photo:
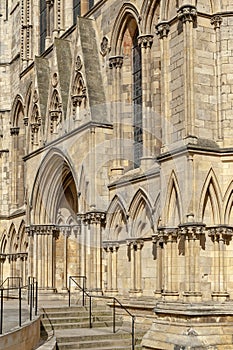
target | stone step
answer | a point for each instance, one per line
(107, 341)
(74, 325)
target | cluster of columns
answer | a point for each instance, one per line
(92, 229)
(111, 250)
(220, 236)
(41, 254)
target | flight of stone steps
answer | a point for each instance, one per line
(69, 326)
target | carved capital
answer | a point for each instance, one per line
(145, 40)
(95, 217)
(115, 62)
(162, 29)
(191, 231)
(55, 115)
(35, 127)
(187, 13)
(167, 234)
(220, 233)
(216, 21)
(14, 130)
(77, 99)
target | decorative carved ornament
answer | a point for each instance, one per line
(104, 46)
(78, 63)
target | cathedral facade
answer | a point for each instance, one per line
(116, 156)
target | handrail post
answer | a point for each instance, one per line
(20, 308)
(28, 289)
(114, 315)
(83, 292)
(30, 302)
(36, 302)
(32, 284)
(1, 318)
(133, 333)
(8, 280)
(90, 323)
(69, 290)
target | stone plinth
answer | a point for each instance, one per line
(191, 326)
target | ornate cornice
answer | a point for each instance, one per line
(187, 13)
(162, 29)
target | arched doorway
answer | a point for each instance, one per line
(54, 228)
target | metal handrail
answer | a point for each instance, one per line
(32, 300)
(115, 300)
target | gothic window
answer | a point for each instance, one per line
(137, 101)
(78, 97)
(76, 10)
(43, 24)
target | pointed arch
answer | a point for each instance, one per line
(157, 210)
(3, 243)
(17, 114)
(13, 240)
(23, 239)
(127, 13)
(211, 199)
(173, 202)
(140, 212)
(151, 13)
(117, 227)
(228, 205)
(54, 185)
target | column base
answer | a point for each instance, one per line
(111, 292)
(170, 296)
(220, 296)
(117, 171)
(192, 296)
(95, 291)
(135, 293)
(157, 294)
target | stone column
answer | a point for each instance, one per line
(145, 42)
(170, 287)
(65, 231)
(187, 14)
(216, 21)
(14, 133)
(162, 30)
(115, 64)
(192, 234)
(158, 256)
(41, 260)
(111, 249)
(135, 266)
(95, 221)
(221, 236)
